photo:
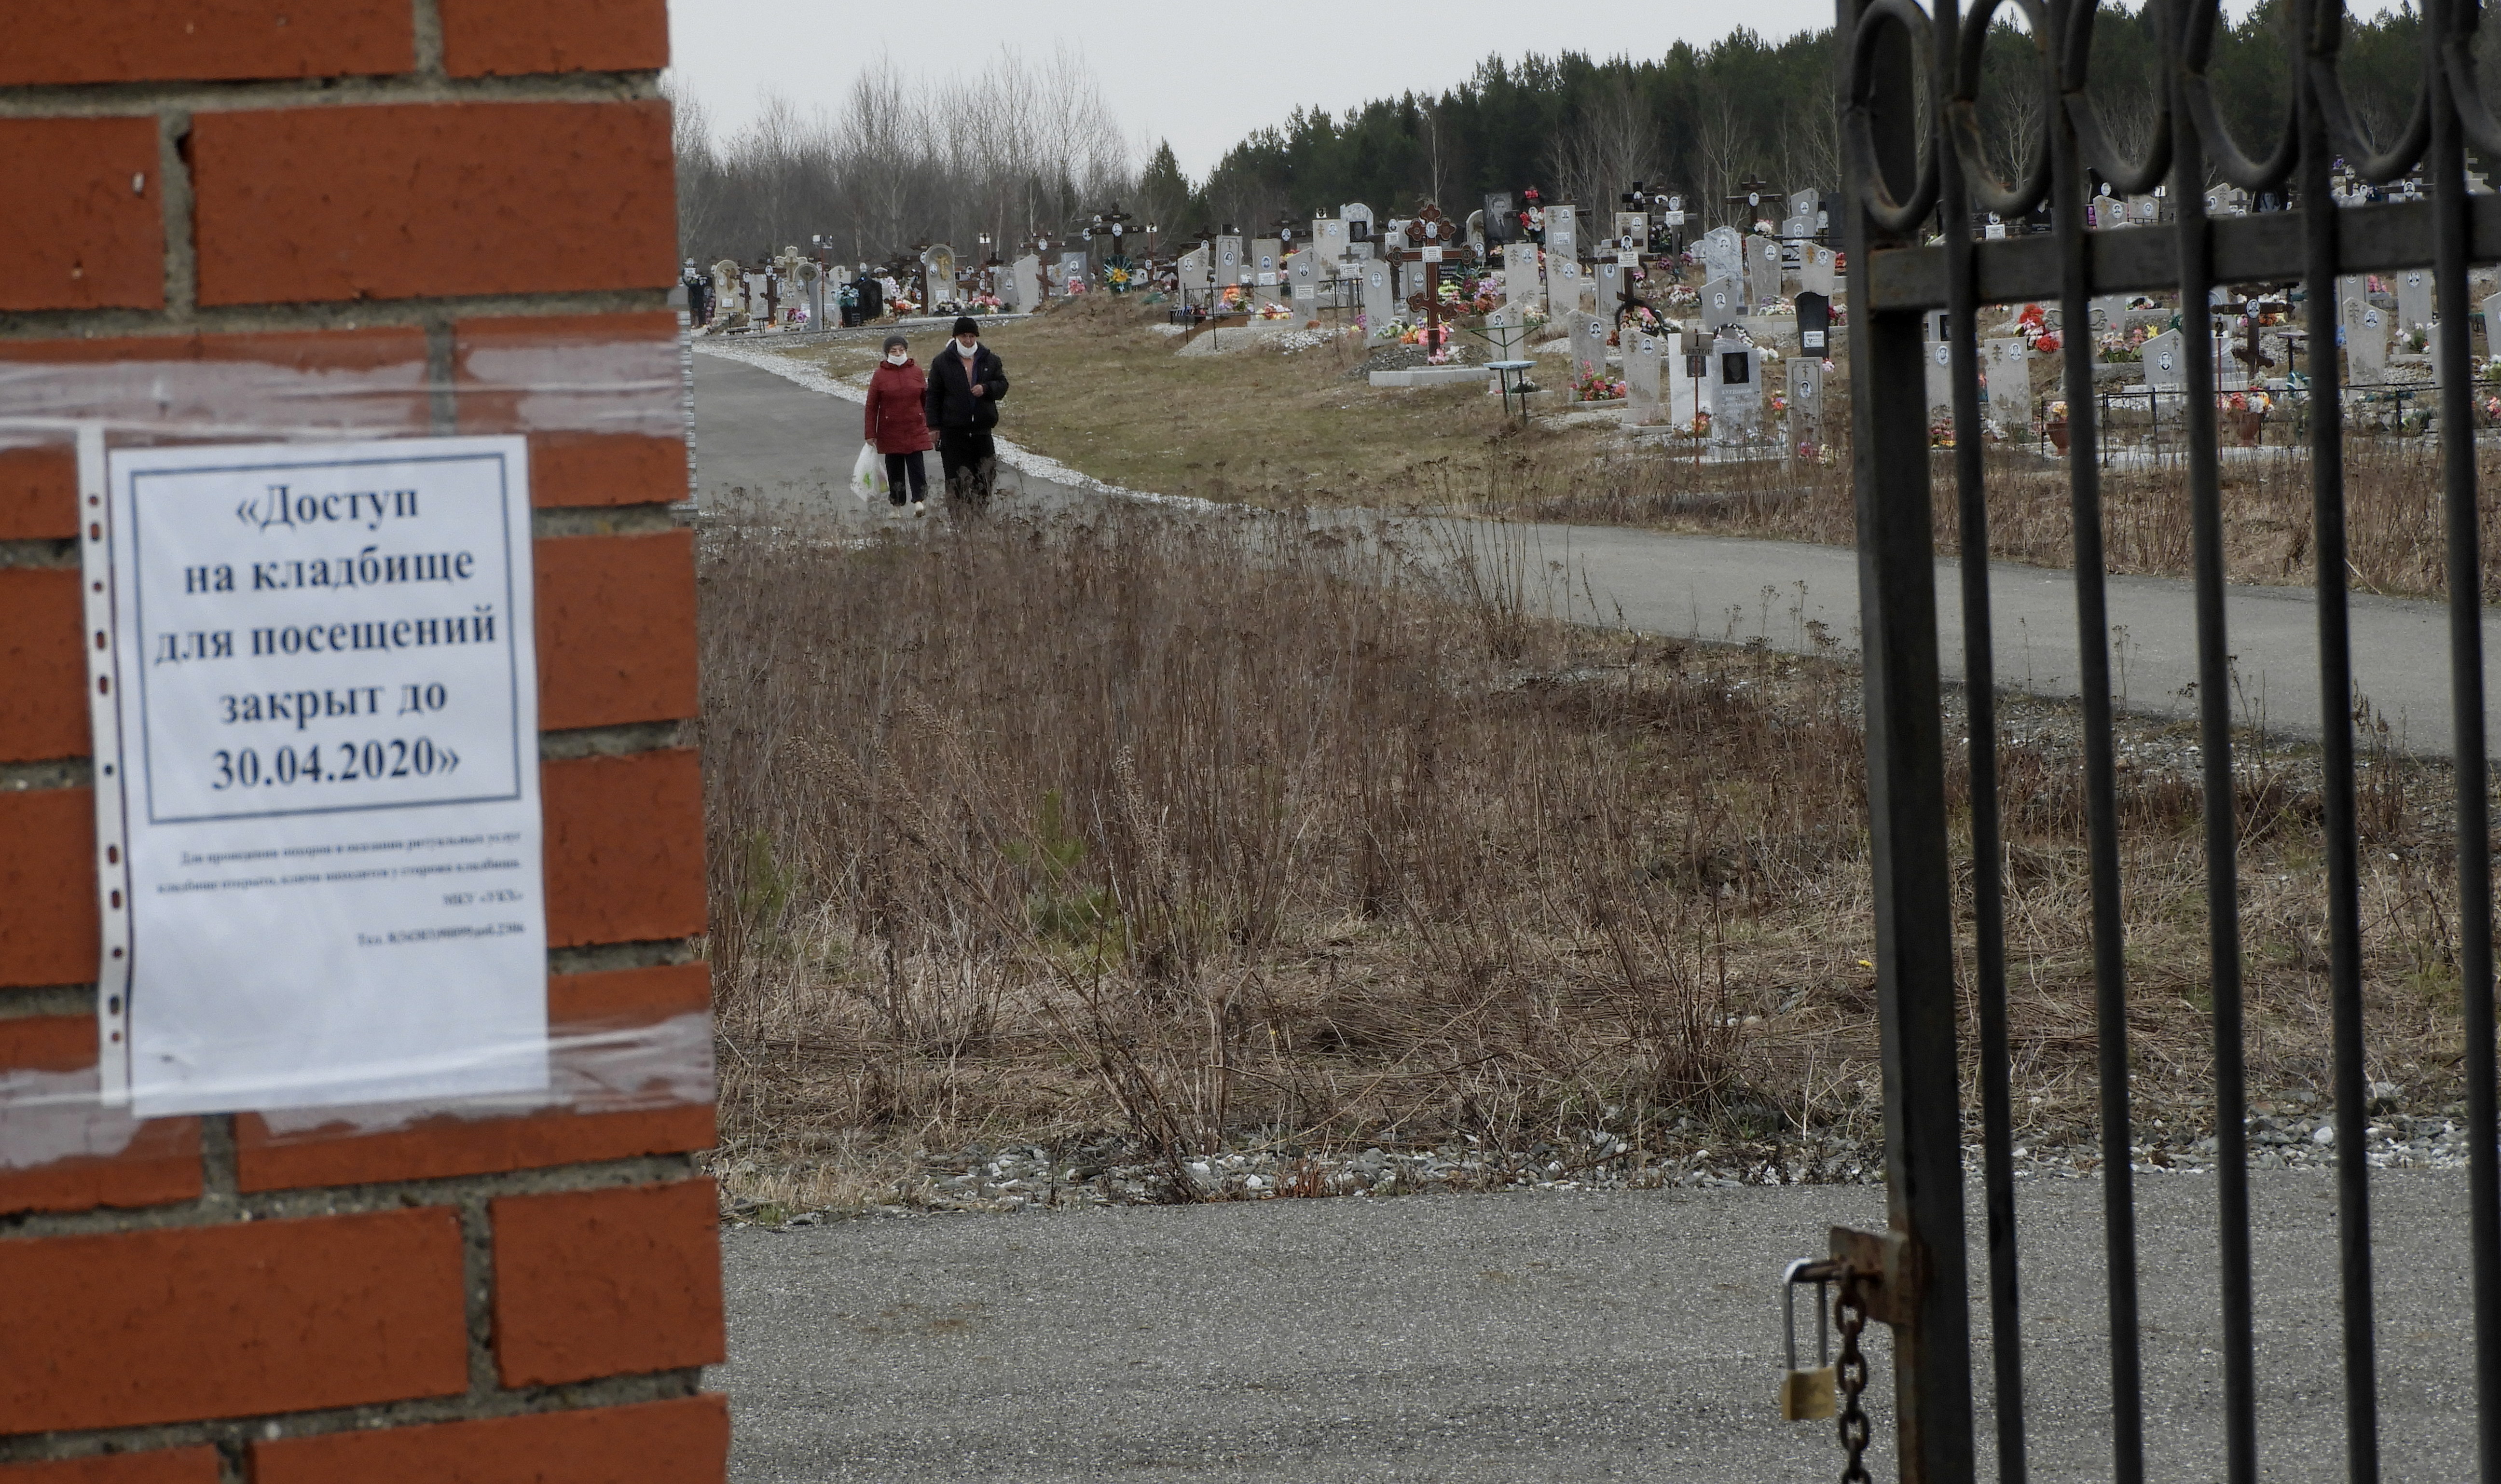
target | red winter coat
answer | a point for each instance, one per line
(896, 422)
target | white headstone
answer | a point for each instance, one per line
(1762, 270)
(1632, 232)
(1606, 290)
(1071, 278)
(1806, 429)
(1380, 297)
(1302, 273)
(2166, 362)
(1267, 268)
(1588, 348)
(2009, 368)
(1939, 376)
(1805, 204)
(1819, 271)
(1564, 285)
(2491, 324)
(1724, 254)
(1736, 392)
(1562, 234)
(2413, 297)
(1724, 304)
(1195, 268)
(1231, 269)
(1522, 283)
(2366, 343)
(1643, 358)
(1024, 282)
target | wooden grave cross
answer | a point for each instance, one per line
(1426, 236)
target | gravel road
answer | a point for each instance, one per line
(1506, 1337)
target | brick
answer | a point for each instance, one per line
(38, 492)
(439, 1148)
(625, 848)
(617, 629)
(613, 370)
(483, 38)
(139, 41)
(99, 1156)
(404, 200)
(75, 236)
(607, 1282)
(47, 913)
(168, 1465)
(231, 1321)
(42, 709)
(680, 1441)
(629, 996)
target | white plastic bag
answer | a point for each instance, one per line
(868, 474)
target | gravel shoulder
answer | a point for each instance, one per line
(1565, 1335)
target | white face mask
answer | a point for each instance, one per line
(968, 346)
(895, 357)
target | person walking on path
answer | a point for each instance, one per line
(966, 381)
(898, 424)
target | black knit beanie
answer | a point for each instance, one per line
(966, 325)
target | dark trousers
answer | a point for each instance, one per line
(900, 467)
(970, 458)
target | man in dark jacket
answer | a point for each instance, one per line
(966, 381)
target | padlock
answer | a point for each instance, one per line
(1807, 1396)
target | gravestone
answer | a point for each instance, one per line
(2491, 324)
(1328, 235)
(1381, 298)
(1724, 254)
(1632, 232)
(938, 268)
(1819, 271)
(1506, 335)
(1024, 282)
(1229, 267)
(2366, 343)
(2008, 365)
(1196, 268)
(1939, 356)
(1736, 393)
(1562, 236)
(1267, 270)
(1607, 286)
(1072, 272)
(1684, 380)
(1762, 270)
(2108, 312)
(1565, 283)
(1588, 348)
(2166, 362)
(1803, 205)
(1522, 283)
(2413, 297)
(1355, 212)
(1798, 228)
(1815, 324)
(1303, 281)
(1724, 304)
(1806, 433)
(1642, 357)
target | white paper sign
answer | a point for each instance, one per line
(324, 657)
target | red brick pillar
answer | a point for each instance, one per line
(387, 217)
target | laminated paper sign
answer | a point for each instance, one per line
(317, 773)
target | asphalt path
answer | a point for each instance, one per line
(793, 447)
(1528, 1337)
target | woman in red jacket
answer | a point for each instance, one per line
(898, 424)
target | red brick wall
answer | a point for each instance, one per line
(215, 1300)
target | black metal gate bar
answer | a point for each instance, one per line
(2454, 24)
(2343, 906)
(1891, 281)
(1914, 897)
(2221, 799)
(1980, 688)
(2070, 192)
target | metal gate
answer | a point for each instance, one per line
(1915, 162)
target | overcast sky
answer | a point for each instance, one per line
(1198, 75)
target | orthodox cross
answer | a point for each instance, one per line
(1426, 236)
(1750, 195)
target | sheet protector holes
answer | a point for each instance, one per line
(102, 685)
(113, 1004)
(102, 638)
(116, 901)
(95, 530)
(116, 953)
(95, 499)
(113, 855)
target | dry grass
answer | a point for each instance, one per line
(1226, 832)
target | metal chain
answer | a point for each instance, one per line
(1851, 1374)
